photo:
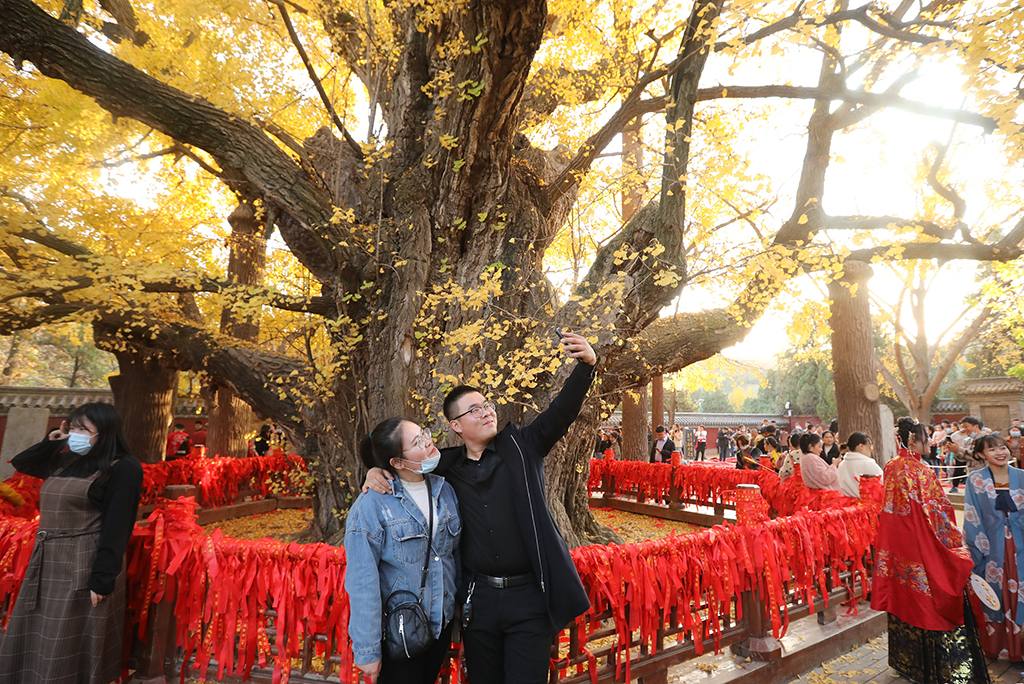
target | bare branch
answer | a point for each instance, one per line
(356, 148)
(938, 250)
(946, 192)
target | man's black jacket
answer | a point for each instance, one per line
(523, 449)
(666, 451)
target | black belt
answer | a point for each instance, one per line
(506, 582)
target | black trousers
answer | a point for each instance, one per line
(508, 641)
(959, 473)
(701, 448)
(420, 670)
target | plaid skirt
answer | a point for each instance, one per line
(54, 635)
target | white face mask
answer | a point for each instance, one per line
(1015, 433)
(427, 465)
(79, 443)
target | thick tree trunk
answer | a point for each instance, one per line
(658, 401)
(853, 354)
(635, 428)
(145, 392)
(232, 419)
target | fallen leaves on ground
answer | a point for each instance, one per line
(633, 527)
(283, 525)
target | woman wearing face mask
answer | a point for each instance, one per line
(68, 622)
(386, 545)
(857, 463)
(921, 571)
(992, 524)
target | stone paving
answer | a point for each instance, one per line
(868, 664)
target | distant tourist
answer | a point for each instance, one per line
(198, 437)
(815, 472)
(261, 445)
(661, 447)
(177, 443)
(857, 463)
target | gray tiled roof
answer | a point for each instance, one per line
(1003, 385)
(62, 400)
(948, 406)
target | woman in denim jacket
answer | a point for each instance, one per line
(386, 543)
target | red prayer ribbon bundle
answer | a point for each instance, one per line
(642, 583)
(705, 482)
(219, 480)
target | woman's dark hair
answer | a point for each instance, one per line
(110, 441)
(907, 427)
(794, 441)
(856, 439)
(771, 442)
(986, 441)
(741, 439)
(265, 431)
(807, 440)
(382, 444)
(828, 432)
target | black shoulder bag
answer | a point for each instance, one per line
(407, 632)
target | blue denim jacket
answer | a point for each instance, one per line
(385, 543)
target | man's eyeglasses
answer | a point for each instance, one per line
(422, 441)
(478, 411)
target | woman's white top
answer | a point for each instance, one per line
(853, 466)
(418, 492)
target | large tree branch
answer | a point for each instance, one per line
(890, 379)
(943, 251)
(28, 33)
(186, 282)
(633, 107)
(268, 382)
(674, 342)
(968, 335)
(863, 97)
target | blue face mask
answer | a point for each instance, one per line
(79, 443)
(427, 465)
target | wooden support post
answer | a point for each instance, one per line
(760, 645)
(675, 494)
(155, 660)
(828, 615)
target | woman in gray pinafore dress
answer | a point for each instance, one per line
(67, 626)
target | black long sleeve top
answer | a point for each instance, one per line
(115, 493)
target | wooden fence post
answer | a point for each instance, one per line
(760, 645)
(155, 660)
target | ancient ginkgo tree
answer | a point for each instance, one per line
(428, 236)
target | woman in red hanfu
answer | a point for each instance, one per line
(921, 570)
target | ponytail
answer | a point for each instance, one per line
(383, 443)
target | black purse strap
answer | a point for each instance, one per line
(430, 534)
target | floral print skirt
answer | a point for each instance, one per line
(930, 657)
(1003, 639)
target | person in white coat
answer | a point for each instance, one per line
(856, 464)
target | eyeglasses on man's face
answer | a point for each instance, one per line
(478, 411)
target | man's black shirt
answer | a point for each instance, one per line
(492, 542)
